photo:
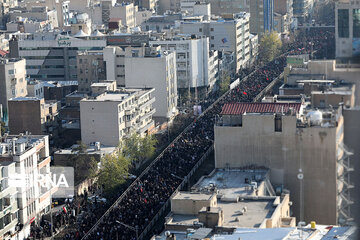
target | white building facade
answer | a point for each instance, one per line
(195, 65)
(111, 116)
(31, 157)
(225, 35)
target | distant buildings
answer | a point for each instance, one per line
(347, 29)
(302, 9)
(110, 116)
(51, 56)
(227, 34)
(20, 208)
(12, 82)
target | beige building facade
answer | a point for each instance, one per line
(306, 156)
(12, 81)
(109, 117)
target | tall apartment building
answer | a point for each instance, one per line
(90, 69)
(51, 56)
(302, 147)
(347, 29)
(285, 9)
(262, 16)
(158, 70)
(30, 153)
(166, 5)
(229, 34)
(12, 82)
(35, 115)
(196, 66)
(109, 117)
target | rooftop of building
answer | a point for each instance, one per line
(91, 149)
(321, 232)
(120, 94)
(242, 108)
(22, 143)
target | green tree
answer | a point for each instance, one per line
(114, 169)
(85, 165)
(137, 148)
(270, 45)
(224, 82)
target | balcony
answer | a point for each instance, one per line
(152, 100)
(150, 113)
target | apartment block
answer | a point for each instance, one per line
(230, 33)
(30, 154)
(196, 65)
(303, 148)
(262, 16)
(109, 117)
(158, 70)
(12, 82)
(347, 29)
(90, 69)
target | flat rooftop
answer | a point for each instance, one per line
(230, 182)
(89, 150)
(194, 196)
(257, 211)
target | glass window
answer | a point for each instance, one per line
(343, 23)
(356, 23)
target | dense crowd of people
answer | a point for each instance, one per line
(149, 194)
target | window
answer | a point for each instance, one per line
(212, 45)
(212, 37)
(278, 123)
(356, 23)
(12, 71)
(212, 29)
(343, 23)
(200, 29)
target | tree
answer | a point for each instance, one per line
(114, 169)
(138, 148)
(270, 45)
(224, 82)
(85, 165)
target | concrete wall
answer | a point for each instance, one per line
(312, 149)
(99, 122)
(191, 206)
(352, 139)
(26, 116)
(158, 73)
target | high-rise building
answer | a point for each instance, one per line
(158, 70)
(12, 82)
(347, 29)
(261, 16)
(30, 154)
(196, 65)
(226, 34)
(4, 10)
(303, 148)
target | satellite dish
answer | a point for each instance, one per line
(300, 176)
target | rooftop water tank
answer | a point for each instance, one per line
(315, 117)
